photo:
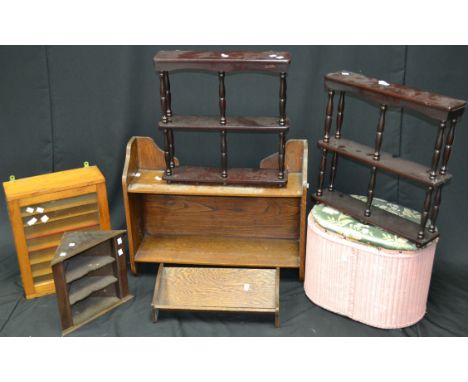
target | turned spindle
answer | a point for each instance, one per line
(282, 102)
(167, 85)
(326, 139)
(224, 159)
(380, 130)
(339, 124)
(328, 116)
(281, 154)
(171, 148)
(222, 99)
(435, 208)
(340, 115)
(370, 191)
(448, 146)
(425, 212)
(162, 94)
(167, 152)
(437, 149)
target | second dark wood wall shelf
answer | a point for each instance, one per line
(444, 109)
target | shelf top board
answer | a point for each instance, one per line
(152, 182)
(253, 124)
(222, 61)
(73, 243)
(52, 182)
(434, 105)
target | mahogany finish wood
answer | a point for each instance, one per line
(276, 62)
(216, 290)
(388, 221)
(90, 275)
(395, 95)
(387, 162)
(237, 176)
(241, 124)
(221, 62)
(241, 226)
(388, 95)
(42, 208)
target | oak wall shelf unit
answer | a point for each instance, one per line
(42, 208)
(443, 109)
(243, 226)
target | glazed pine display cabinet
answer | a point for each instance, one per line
(42, 208)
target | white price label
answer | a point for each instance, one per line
(29, 210)
(44, 219)
(39, 210)
(32, 221)
(120, 252)
(119, 240)
(62, 254)
(71, 244)
(246, 287)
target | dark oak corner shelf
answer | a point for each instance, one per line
(445, 109)
(217, 290)
(222, 63)
(245, 226)
(388, 221)
(90, 276)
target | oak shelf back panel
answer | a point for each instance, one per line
(42, 208)
(214, 225)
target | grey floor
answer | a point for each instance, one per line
(446, 316)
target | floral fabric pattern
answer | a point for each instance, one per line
(345, 225)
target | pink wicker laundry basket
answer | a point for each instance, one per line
(379, 287)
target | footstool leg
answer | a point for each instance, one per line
(154, 314)
(277, 320)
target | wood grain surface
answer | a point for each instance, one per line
(219, 250)
(227, 216)
(226, 289)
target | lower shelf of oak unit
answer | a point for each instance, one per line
(262, 177)
(219, 250)
(92, 308)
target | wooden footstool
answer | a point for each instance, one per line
(217, 290)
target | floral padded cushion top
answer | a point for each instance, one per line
(336, 221)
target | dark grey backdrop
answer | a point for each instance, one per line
(61, 106)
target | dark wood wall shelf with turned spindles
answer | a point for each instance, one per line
(441, 108)
(223, 63)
